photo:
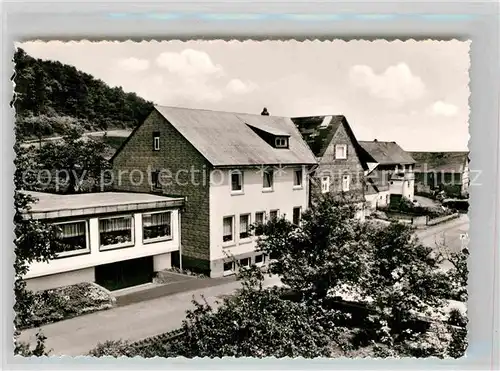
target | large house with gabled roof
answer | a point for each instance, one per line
(233, 170)
(340, 169)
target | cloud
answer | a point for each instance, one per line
(133, 64)
(441, 108)
(189, 63)
(237, 86)
(397, 83)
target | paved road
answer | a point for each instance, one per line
(111, 133)
(137, 321)
(78, 335)
(453, 235)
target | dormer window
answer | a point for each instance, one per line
(281, 142)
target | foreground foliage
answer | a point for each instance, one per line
(353, 289)
(397, 279)
(32, 243)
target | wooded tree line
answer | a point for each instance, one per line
(51, 96)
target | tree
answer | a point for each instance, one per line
(256, 322)
(458, 274)
(32, 243)
(403, 283)
(326, 251)
(76, 163)
(54, 89)
(385, 268)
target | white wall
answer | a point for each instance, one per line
(161, 262)
(379, 199)
(222, 203)
(96, 257)
(404, 186)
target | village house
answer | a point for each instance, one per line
(447, 171)
(389, 174)
(114, 239)
(340, 169)
(233, 169)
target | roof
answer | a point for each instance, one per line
(226, 139)
(386, 153)
(50, 205)
(318, 131)
(452, 162)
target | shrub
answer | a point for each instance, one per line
(113, 348)
(66, 302)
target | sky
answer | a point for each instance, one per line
(412, 92)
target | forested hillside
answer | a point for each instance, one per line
(51, 97)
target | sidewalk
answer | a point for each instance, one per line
(133, 322)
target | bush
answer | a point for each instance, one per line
(66, 302)
(457, 204)
(114, 348)
(405, 206)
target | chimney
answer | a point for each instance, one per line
(264, 112)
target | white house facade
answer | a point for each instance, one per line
(249, 196)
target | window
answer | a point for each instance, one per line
(244, 226)
(116, 232)
(297, 178)
(156, 140)
(273, 214)
(345, 183)
(227, 229)
(296, 215)
(245, 262)
(155, 179)
(325, 184)
(156, 226)
(281, 142)
(341, 151)
(71, 239)
(268, 179)
(260, 259)
(236, 181)
(259, 221)
(228, 267)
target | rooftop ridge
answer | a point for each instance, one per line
(217, 111)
